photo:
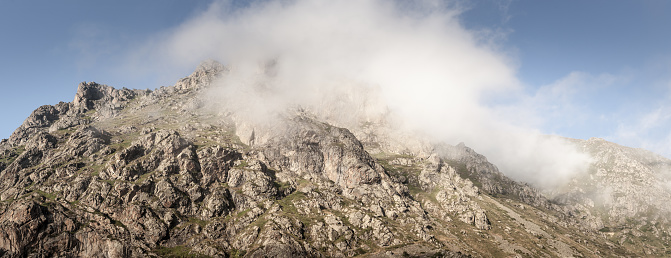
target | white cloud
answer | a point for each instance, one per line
(349, 59)
(567, 102)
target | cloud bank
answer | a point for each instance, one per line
(353, 60)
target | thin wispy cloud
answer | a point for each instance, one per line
(563, 104)
(649, 130)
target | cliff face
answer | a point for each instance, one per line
(627, 189)
(120, 173)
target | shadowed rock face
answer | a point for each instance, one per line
(121, 173)
(21, 224)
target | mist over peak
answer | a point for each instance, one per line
(356, 62)
(318, 128)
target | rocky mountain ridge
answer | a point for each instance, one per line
(121, 173)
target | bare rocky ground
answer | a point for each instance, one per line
(135, 173)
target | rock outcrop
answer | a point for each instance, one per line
(133, 173)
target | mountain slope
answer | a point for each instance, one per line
(121, 172)
(628, 190)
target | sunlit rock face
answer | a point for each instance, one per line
(166, 172)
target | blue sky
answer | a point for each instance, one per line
(49, 47)
(620, 50)
(588, 68)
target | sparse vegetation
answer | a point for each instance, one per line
(282, 185)
(242, 164)
(110, 182)
(143, 177)
(49, 196)
(198, 222)
(119, 224)
(235, 253)
(463, 171)
(287, 203)
(13, 154)
(437, 216)
(179, 251)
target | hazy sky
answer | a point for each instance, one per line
(583, 68)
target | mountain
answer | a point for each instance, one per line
(120, 173)
(628, 191)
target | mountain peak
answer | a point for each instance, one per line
(157, 173)
(206, 72)
(209, 66)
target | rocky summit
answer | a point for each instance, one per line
(160, 173)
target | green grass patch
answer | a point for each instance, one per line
(281, 185)
(7, 201)
(235, 253)
(49, 196)
(14, 153)
(391, 156)
(432, 195)
(414, 190)
(465, 173)
(385, 160)
(394, 170)
(88, 115)
(198, 222)
(119, 224)
(111, 182)
(143, 177)
(606, 229)
(287, 202)
(243, 164)
(64, 131)
(121, 145)
(177, 251)
(94, 169)
(259, 222)
(242, 213)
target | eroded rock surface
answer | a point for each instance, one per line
(134, 173)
